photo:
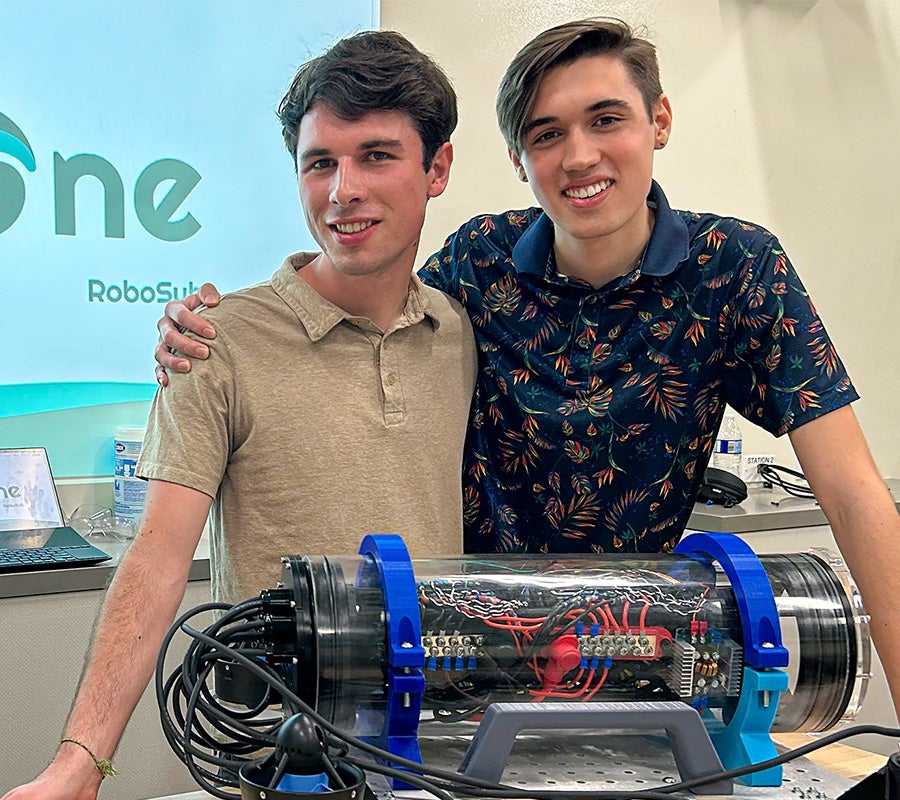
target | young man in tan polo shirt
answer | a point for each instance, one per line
(336, 391)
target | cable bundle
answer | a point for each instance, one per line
(201, 730)
(772, 475)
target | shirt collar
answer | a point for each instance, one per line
(319, 315)
(669, 243)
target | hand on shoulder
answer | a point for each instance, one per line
(173, 345)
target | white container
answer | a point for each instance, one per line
(728, 450)
(129, 490)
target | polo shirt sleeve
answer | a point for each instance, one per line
(781, 368)
(189, 428)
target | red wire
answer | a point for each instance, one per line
(600, 683)
(556, 693)
(644, 611)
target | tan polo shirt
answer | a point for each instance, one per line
(310, 428)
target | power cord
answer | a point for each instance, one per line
(772, 475)
(191, 742)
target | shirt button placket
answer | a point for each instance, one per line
(584, 331)
(391, 389)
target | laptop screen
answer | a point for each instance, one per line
(28, 500)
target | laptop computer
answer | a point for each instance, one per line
(32, 530)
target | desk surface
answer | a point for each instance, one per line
(840, 759)
(767, 509)
(93, 576)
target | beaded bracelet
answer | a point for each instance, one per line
(104, 766)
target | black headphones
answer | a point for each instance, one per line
(720, 487)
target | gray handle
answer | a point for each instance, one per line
(694, 753)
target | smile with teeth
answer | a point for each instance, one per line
(353, 227)
(583, 192)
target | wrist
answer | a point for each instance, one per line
(78, 767)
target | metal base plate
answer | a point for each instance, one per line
(581, 761)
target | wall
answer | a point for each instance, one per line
(50, 634)
(785, 114)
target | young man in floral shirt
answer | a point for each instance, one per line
(613, 330)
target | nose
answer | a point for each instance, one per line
(348, 184)
(581, 152)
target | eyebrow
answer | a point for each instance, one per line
(600, 105)
(374, 144)
(371, 144)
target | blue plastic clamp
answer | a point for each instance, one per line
(752, 592)
(405, 654)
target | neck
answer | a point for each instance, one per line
(379, 297)
(602, 259)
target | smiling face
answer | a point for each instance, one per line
(364, 189)
(588, 155)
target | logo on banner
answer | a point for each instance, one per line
(12, 186)
(155, 215)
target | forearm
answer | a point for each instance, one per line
(837, 462)
(140, 605)
(868, 535)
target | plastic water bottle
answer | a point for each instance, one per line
(727, 453)
(129, 490)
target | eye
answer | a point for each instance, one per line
(545, 136)
(318, 165)
(606, 120)
(378, 155)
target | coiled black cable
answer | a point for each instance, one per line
(773, 475)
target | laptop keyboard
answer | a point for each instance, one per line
(14, 560)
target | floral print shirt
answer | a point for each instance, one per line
(596, 410)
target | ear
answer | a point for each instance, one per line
(517, 165)
(662, 121)
(440, 169)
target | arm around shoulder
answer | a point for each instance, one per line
(836, 460)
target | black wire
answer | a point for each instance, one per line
(455, 782)
(772, 476)
(790, 755)
(203, 777)
(182, 683)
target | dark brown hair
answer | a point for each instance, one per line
(562, 45)
(373, 71)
